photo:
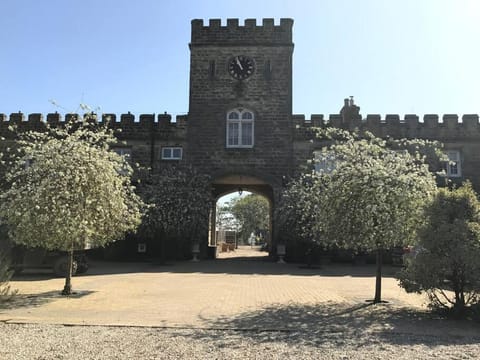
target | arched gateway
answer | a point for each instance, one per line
(227, 184)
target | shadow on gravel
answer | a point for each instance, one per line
(34, 300)
(341, 324)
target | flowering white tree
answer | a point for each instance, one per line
(371, 200)
(374, 198)
(180, 201)
(66, 189)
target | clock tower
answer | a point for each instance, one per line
(240, 106)
(240, 127)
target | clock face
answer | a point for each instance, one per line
(240, 67)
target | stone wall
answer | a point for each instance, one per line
(462, 135)
(145, 137)
(267, 93)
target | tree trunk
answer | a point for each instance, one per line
(67, 289)
(458, 286)
(378, 280)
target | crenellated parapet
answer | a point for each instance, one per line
(160, 125)
(443, 128)
(248, 34)
(433, 127)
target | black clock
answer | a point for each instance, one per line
(241, 67)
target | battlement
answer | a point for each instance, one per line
(249, 34)
(429, 120)
(410, 126)
(147, 123)
(432, 126)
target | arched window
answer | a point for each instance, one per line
(240, 128)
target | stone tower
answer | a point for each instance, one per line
(239, 120)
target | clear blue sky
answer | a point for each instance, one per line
(406, 56)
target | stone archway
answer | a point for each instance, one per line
(227, 184)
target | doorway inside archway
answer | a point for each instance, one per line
(241, 223)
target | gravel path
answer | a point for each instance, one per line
(34, 341)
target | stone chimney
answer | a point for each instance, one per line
(349, 112)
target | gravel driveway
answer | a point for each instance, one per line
(33, 341)
(323, 332)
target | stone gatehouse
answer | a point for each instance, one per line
(240, 128)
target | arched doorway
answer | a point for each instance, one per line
(240, 183)
(242, 226)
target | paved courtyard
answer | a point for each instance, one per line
(224, 293)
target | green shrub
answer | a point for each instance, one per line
(447, 265)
